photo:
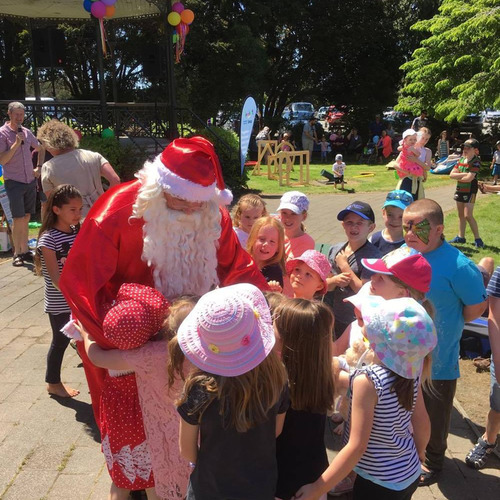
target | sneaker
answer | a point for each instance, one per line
(458, 239)
(28, 256)
(345, 486)
(478, 243)
(478, 456)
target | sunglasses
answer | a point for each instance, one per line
(405, 198)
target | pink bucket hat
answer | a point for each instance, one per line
(135, 316)
(405, 264)
(399, 331)
(316, 261)
(229, 331)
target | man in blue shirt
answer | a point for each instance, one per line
(458, 295)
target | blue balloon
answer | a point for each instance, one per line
(87, 4)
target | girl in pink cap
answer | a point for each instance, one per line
(388, 427)
(234, 405)
(308, 275)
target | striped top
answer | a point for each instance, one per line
(61, 244)
(465, 166)
(494, 284)
(391, 458)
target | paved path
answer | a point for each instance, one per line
(48, 447)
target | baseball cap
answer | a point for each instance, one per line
(399, 331)
(295, 201)
(398, 198)
(317, 262)
(338, 157)
(359, 208)
(406, 264)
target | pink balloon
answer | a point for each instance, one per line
(108, 2)
(98, 10)
(177, 7)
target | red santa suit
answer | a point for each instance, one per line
(109, 246)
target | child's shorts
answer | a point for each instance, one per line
(339, 180)
(465, 197)
(496, 169)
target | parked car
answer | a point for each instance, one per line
(298, 112)
(322, 112)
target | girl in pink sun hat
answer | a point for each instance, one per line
(234, 404)
(388, 426)
(308, 274)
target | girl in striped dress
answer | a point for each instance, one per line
(60, 226)
(388, 427)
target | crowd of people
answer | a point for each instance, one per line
(216, 348)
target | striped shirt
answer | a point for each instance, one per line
(494, 284)
(391, 458)
(61, 244)
(465, 166)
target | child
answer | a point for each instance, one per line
(292, 212)
(136, 315)
(338, 169)
(234, 405)
(324, 149)
(59, 228)
(387, 405)
(465, 173)
(266, 245)
(391, 237)
(249, 208)
(443, 146)
(495, 164)
(358, 221)
(308, 275)
(423, 137)
(300, 448)
(409, 168)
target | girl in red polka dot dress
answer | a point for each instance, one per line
(137, 314)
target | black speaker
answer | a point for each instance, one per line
(153, 60)
(49, 48)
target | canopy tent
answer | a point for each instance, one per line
(73, 9)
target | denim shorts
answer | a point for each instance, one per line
(22, 197)
(494, 389)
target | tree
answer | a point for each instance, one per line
(455, 71)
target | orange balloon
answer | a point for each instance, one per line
(187, 16)
(110, 11)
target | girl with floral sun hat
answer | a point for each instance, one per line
(388, 427)
(234, 405)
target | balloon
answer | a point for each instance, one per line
(177, 7)
(110, 10)
(98, 10)
(78, 134)
(175, 38)
(173, 19)
(187, 16)
(109, 3)
(107, 133)
(87, 4)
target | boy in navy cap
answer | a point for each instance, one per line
(358, 221)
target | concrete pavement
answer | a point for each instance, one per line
(49, 447)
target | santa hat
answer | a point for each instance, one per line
(190, 169)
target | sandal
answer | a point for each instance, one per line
(428, 477)
(18, 261)
(478, 456)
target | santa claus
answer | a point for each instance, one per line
(167, 229)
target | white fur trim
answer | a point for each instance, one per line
(225, 197)
(183, 188)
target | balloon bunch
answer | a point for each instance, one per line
(180, 18)
(101, 9)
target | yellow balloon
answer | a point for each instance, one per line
(174, 18)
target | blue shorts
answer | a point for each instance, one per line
(494, 389)
(496, 169)
(22, 197)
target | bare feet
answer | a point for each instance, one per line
(61, 390)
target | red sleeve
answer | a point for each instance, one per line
(235, 264)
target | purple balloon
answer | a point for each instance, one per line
(108, 2)
(177, 7)
(98, 9)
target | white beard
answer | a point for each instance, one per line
(181, 248)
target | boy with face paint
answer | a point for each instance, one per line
(458, 295)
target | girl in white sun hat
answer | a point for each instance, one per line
(234, 405)
(387, 427)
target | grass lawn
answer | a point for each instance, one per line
(486, 214)
(382, 180)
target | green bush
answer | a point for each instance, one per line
(229, 157)
(125, 159)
